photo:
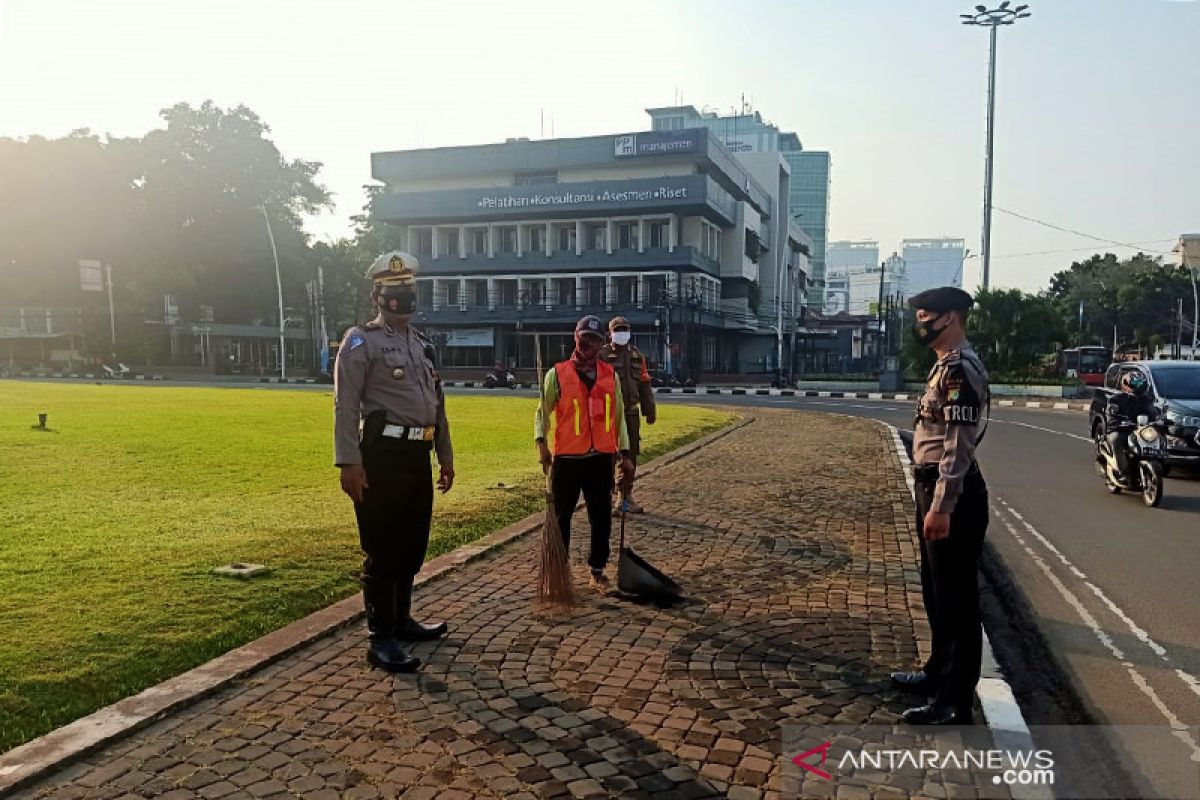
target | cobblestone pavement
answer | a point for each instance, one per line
(794, 544)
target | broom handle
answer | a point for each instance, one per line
(541, 382)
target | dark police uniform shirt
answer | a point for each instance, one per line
(950, 419)
(380, 368)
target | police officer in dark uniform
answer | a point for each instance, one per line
(952, 509)
(389, 414)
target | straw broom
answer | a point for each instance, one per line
(554, 573)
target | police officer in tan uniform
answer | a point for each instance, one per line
(952, 509)
(389, 413)
(632, 371)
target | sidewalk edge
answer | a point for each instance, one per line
(55, 750)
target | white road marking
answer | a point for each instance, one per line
(1139, 680)
(1140, 633)
(1043, 430)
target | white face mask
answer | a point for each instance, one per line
(620, 338)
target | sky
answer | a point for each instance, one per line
(1098, 119)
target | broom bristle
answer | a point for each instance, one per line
(554, 575)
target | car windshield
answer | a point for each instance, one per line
(1178, 383)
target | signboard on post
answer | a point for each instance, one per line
(91, 275)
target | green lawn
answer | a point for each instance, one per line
(111, 521)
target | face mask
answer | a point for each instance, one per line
(925, 333)
(401, 301)
(620, 338)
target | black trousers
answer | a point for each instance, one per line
(397, 507)
(593, 475)
(950, 589)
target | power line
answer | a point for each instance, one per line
(1071, 231)
(1136, 245)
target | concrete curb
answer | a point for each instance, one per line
(1000, 709)
(36, 759)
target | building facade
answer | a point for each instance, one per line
(667, 228)
(930, 263)
(808, 195)
(841, 259)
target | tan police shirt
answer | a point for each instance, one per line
(951, 416)
(630, 366)
(380, 368)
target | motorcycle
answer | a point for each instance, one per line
(500, 378)
(1147, 452)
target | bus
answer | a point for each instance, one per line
(1088, 363)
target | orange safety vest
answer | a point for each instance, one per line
(585, 421)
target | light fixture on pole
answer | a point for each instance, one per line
(992, 18)
(279, 290)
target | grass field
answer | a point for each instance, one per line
(111, 521)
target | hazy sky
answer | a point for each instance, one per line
(1098, 114)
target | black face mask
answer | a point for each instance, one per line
(925, 333)
(399, 300)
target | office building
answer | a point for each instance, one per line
(747, 132)
(930, 263)
(667, 228)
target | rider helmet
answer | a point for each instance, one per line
(1137, 382)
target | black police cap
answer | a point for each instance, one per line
(942, 299)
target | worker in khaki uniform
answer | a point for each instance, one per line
(952, 509)
(582, 409)
(631, 368)
(389, 413)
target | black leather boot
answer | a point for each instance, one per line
(407, 628)
(918, 682)
(383, 650)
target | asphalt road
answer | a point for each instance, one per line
(1112, 587)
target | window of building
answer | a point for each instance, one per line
(710, 240)
(536, 178)
(478, 241)
(508, 240)
(659, 233)
(479, 293)
(566, 291)
(508, 292)
(627, 235)
(468, 356)
(424, 241)
(594, 289)
(566, 238)
(537, 240)
(655, 287)
(597, 236)
(451, 293)
(425, 294)
(626, 289)
(449, 248)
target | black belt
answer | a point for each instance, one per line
(930, 473)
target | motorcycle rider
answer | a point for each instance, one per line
(1134, 400)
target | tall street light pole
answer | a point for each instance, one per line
(991, 18)
(279, 290)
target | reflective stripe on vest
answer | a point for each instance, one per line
(582, 423)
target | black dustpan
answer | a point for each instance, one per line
(636, 575)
